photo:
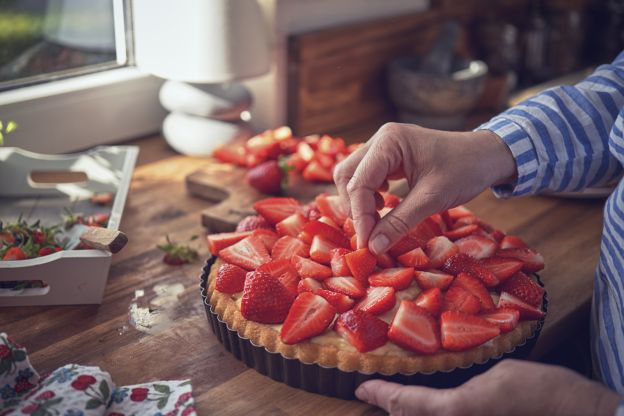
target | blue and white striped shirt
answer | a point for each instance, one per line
(565, 139)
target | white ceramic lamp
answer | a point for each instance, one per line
(201, 47)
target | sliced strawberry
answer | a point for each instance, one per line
(310, 315)
(498, 236)
(524, 288)
(459, 212)
(459, 299)
(234, 154)
(377, 300)
(399, 278)
(385, 261)
(362, 330)
(217, 242)
(331, 146)
(511, 241)
(338, 263)
(464, 263)
(284, 271)
(348, 227)
(527, 311)
(533, 261)
(252, 222)
(460, 331)
(404, 245)
(390, 200)
(476, 287)
(288, 246)
(326, 231)
(442, 226)
(467, 220)
(425, 230)
(415, 258)
(349, 286)
(310, 268)
(265, 299)
(328, 221)
(308, 285)
(230, 278)
(433, 278)
(477, 246)
(506, 318)
(316, 172)
(353, 242)
(311, 212)
(439, 249)
(361, 263)
(320, 250)
(339, 301)
(331, 206)
(268, 237)
(249, 253)
(503, 268)
(291, 225)
(305, 152)
(415, 329)
(276, 209)
(461, 232)
(431, 300)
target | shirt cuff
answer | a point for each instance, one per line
(523, 152)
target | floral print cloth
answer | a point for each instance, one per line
(75, 390)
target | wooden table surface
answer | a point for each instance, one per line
(152, 325)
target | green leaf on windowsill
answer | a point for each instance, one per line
(1, 139)
(11, 127)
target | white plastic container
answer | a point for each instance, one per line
(72, 276)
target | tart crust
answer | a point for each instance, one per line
(327, 355)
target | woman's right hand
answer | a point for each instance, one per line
(443, 169)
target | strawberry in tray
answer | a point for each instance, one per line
(453, 284)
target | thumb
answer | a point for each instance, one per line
(398, 399)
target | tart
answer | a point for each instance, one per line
(453, 293)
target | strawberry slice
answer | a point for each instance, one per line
(390, 200)
(265, 299)
(404, 245)
(475, 287)
(310, 268)
(305, 152)
(310, 315)
(498, 236)
(442, 226)
(249, 253)
(377, 300)
(316, 172)
(425, 230)
(348, 227)
(524, 288)
(217, 242)
(464, 263)
(511, 241)
(268, 237)
(503, 268)
(385, 261)
(288, 246)
(433, 278)
(459, 212)
(284, 271)
(461, 232)
(339, 301)
(234, 154)
(329, 233)
(467, 220)
(276, 209)
(398, 277)
(460, 331)
(477, 246)
(291, 225)
(415, 258)
(459, 299)
(338, 263)
(361, 263)
(331, 206)
(527, 311)
(353, 242)
(533, 261)
(308, 285)
(349, 286)
(439, 249)
(506, 318)
(329, 221)
(320, 250)
(362, 330)
(415, 329)
(430, 300)
(230, 278)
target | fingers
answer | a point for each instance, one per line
(343, 173)
(397, 399)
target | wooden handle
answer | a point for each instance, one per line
(104, 239)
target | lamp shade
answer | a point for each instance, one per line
(201, 41)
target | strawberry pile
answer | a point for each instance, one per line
(452, 283)
(21, 241)
(314, 157)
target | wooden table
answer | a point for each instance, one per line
(151, 324)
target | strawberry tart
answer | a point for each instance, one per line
(453, 293)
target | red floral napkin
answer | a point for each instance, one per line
(75, 390)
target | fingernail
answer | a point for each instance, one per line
(360, 393)
(379, 243)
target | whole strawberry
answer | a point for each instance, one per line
(268, 177)
(265, 299)
(252, 222)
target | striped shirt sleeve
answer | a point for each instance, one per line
(560, 137)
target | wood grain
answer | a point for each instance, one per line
(152, 325)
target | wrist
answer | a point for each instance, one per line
(498, 164)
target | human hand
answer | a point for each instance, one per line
(511, 387)
(443, 169)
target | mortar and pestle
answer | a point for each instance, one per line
(437, 90)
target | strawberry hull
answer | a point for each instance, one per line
(331, 381)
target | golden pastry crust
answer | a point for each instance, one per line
(328, 355)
